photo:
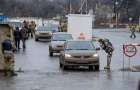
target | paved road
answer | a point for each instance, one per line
(42, 72)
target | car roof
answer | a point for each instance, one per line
(61, 33)
(42, 27)
(79, 41)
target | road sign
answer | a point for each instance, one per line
(2, 18)
(130, 50)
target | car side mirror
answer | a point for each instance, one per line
(98, 49)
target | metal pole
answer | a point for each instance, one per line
(123, 56)
(116, 7)
(129, 64)
(81, 9)
(86, 7)
(116, 20)
(70, 6)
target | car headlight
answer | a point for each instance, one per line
(67, 55)
(37, 33)
(50, 33)
(95, 55)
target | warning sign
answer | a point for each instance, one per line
(130, 50)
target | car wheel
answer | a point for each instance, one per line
(60, 64)
(97, 67)
(51, 53)
(60, 59)
(36, 39)
(90, 67)
(64, 67)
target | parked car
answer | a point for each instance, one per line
(79, 53)
(57, 42)
(43, 32)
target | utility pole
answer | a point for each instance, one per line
(116, 3)
(86, 6)
(70, 7)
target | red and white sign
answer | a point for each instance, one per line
(129, 50)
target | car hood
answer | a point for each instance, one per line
(55, 43)
(80, 52)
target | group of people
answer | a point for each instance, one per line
(20, 35)
(30, 26)
(23, 34)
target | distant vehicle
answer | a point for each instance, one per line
(79, 53)
(15, 24)
(57, 42)
(43, 32)
(54, 27)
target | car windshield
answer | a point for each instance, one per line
(15, 24)
(44, 29)
(79, 45)
(61, 37)
(54, 27)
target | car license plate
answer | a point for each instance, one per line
(44, 34)
(81, 61)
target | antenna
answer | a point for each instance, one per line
(83, 6)
(84, 3)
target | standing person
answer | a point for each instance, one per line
(32, 27)
(17, 37)
(23, 32)
(107, 46)
(139, 28)
(30, 31)
(132, 29)
(26, 26)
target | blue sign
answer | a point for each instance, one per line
(2, 18)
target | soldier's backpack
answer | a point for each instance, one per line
(109, 47)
